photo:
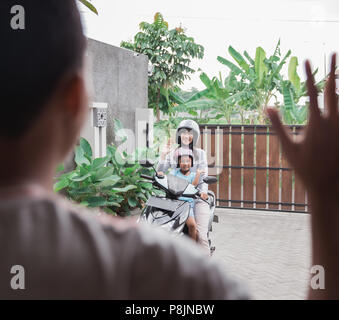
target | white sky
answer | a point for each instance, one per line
(308, 27)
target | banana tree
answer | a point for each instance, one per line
(293, 90)
(260, 77)
(220, 99)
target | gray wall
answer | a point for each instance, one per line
(120, 79)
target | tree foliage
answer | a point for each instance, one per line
(170, 52)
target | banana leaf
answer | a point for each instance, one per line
(293, 74)
(198, 96)
(239, 59)
(231, 65)
(277, 71)
(250, 60)
(175, 98)
(260, 67)
(206, 80)
(289, 105)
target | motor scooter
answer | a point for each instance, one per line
(168, 211)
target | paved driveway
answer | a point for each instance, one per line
(270, 251)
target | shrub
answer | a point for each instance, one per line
(112, 183)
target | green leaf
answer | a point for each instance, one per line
(80, 158)
(89, 6)
(61, 185)
(125, 189)
(231, 65)
(293, 74)
(109, 182)
(164, 92)
(260, 67)
(103, 173)
(86, 147)
(251, 61)
(129, 171)
(88, 190)
(141, 196)
(109, 211)
(238, 58)
(146, 185)
(112, 204)
(198, 95)
(99, 162)
(80, 178)
(277, 71)
(206, 80)
(132, 202)
(96, 201)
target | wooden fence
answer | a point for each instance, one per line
(251, 169)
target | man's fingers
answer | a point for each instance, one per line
(312, 92)
(278, 127)
(331, 99)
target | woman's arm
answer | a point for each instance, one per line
(197, 177)
(203, 167)
(165, 162)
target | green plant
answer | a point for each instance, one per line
(170, 52)
(293, 90)
(109, 183)
(89, 5)
(249, 88)
(218, 100)
(260, 77)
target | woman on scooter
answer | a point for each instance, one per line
(184, 163)
(187, 135)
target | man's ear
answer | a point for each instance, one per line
(74, 97)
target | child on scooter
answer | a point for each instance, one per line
(184, 164)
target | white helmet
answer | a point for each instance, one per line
(190, 125)
(180, 152)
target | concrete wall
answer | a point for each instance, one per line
(120, 79)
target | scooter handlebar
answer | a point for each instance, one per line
(146, 177)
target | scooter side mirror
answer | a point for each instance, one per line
(147, 164)
(210, 180)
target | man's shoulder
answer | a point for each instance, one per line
(119, 258)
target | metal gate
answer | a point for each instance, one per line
(252, 172)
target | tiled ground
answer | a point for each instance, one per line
(269, 251)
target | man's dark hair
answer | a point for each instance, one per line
(35, 59)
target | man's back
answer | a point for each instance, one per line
(72, 255)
